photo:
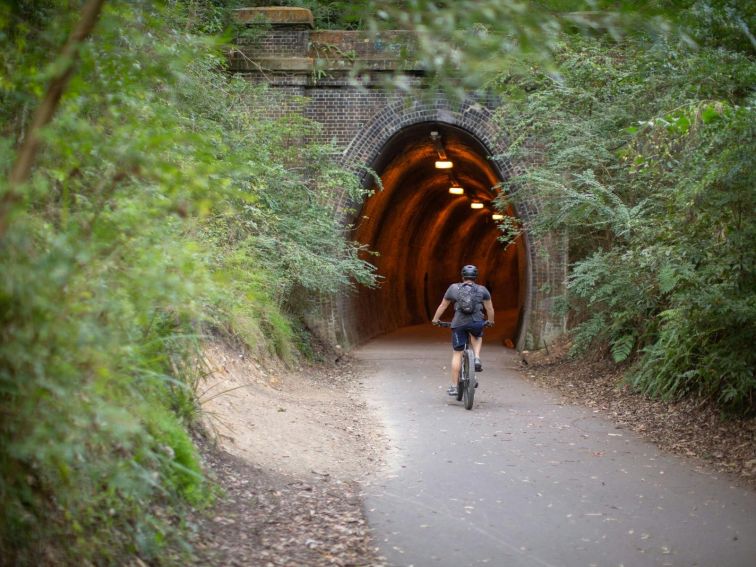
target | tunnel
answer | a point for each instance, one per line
(420, 234)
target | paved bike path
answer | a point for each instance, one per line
(524, 481)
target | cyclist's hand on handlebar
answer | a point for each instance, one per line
(436, 322)
(489, 324)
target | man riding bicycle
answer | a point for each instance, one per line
(469, 299)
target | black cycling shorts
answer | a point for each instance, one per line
(459, 334)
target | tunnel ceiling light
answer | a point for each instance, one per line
(456, 190)
(442, 162)
(476, 205)
(497, 216)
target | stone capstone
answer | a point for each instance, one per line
(275, 16)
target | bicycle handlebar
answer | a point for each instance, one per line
(447, 324)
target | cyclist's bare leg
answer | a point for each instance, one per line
(456, 363)
(477, 344)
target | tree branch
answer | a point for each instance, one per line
(27, 153)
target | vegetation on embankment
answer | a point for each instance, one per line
(163, 203)
(643, 152)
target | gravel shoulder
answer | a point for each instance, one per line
(287, 449)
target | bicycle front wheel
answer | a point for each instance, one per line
(468, 391)
(461, 379)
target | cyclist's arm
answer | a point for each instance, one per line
(441, 308)
(488, 304)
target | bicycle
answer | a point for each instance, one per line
(467, 382)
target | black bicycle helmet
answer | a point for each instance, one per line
(470, 272)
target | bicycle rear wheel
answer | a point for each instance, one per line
(468, 391)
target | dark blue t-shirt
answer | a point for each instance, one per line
(481, 293)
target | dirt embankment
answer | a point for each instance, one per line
(288, 450)
(691, 427)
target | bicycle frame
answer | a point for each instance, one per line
(466, 382)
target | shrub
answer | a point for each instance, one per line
(164, 204)
(644, 157)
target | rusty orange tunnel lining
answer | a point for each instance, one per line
(424, 235)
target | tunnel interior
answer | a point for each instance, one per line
(422, 234)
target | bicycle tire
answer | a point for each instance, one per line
(469, 387)
(461, 379)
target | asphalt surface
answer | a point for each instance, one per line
(522, 480)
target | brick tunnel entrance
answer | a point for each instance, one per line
(424, 234)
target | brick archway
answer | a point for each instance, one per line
(470, 115)
(544, 273)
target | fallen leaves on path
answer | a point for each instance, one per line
(288, 447)
(690, 427)
(270, 519)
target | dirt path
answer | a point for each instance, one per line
(288, 451)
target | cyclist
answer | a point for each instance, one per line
(464, 323)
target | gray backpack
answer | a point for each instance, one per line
(467, 298)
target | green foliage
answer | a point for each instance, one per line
(705, 333)
(644, 156)
(622, 347)
(164, 204)
(466, 45)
